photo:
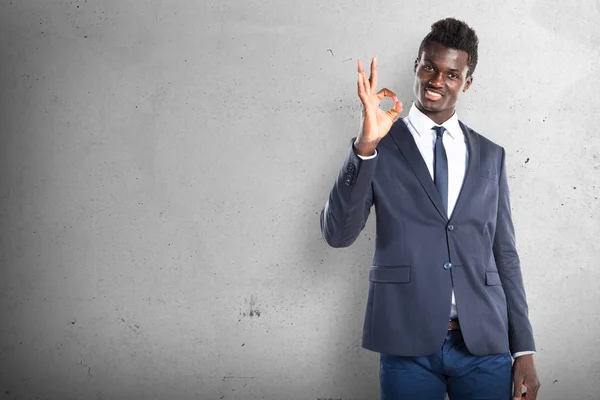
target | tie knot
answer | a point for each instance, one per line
(439, 130)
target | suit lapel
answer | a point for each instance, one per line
(407, 146)
(472, 168)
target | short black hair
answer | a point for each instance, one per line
(454, 34)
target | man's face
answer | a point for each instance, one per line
(440, 76)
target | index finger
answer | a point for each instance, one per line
(385, 92)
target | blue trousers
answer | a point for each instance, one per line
(451, 370)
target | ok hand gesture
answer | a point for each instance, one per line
(376, 122)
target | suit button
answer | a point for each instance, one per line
(450, 227)
(447, 266)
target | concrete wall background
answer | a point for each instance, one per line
(163, 165)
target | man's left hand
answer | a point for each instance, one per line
(524, 374)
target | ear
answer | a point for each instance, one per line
(468, 83)
(416, 64)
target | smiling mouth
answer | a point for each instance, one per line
(431, 95)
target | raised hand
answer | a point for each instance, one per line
(376, 122)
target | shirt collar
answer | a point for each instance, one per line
(422, 123)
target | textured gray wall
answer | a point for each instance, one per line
(163, 165)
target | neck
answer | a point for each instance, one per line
(439, 117)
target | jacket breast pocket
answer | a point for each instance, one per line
(399, 274)
(492, 278)
(488, 173)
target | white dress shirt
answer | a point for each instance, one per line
(421, 127)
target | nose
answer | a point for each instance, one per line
(436, 80)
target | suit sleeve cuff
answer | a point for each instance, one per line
(522, 353)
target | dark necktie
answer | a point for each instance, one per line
(440, 166)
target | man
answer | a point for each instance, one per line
(446, 305)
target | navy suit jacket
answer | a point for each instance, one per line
(421, 254)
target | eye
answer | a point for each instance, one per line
(427, 67)
(452, 75)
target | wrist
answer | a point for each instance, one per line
(525, 357)
(364, 149)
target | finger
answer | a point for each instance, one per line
(373, 75)
(532, 390)
(395, 111)
(361, 88)
(362, 79)
(385, 92)
(365, 80)
(517, 389)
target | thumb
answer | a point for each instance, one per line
(395, 111)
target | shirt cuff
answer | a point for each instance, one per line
(367, 157)
(522, 353)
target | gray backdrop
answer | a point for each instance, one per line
(163, 165)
